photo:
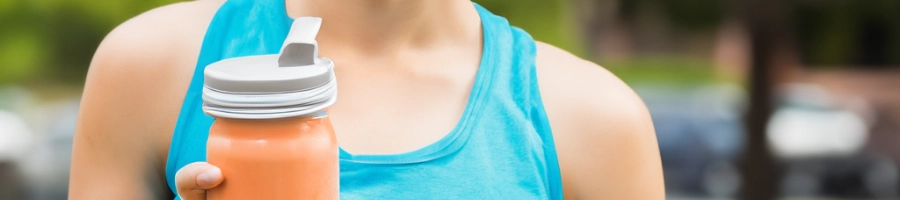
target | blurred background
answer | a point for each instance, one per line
(751, 99)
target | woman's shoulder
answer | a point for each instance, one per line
(154, 51)
(158, 46)
(601, 128)
(584, 98)
(132, 95)
(140, 72)
(581, 88)
(164, 32)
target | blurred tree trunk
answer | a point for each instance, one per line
(767, 21)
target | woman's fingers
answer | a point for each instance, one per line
(194, 179)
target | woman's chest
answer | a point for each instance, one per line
(396, 111)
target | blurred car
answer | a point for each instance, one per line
(821, 146)
(700, 135)
(15, 139)
(35, 145)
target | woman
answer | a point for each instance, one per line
(438, 99)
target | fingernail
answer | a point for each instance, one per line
(208, 176)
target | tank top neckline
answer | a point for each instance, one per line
(457, 137)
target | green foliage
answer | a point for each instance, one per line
(19, 56)
(549, 21)
(693, 14)
(848, 32)
(53, 40)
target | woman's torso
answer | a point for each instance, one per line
(499, 143)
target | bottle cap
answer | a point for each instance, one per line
(295, 82)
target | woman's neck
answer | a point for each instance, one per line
(387, 26)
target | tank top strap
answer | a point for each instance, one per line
(513, 83)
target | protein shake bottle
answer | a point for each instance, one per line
(272, 138)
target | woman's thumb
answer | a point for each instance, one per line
(194, 179)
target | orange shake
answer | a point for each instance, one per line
(287, 158)
(271, 137)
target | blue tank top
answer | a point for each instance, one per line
(501, 148)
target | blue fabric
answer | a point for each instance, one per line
(502, 147)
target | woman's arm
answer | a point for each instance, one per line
(132, 96)
(604, 135)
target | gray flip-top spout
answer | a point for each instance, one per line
(300, 47)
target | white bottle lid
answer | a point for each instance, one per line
(295, 82)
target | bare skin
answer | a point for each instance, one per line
(141, 71)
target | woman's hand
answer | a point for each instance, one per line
(194, 179)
